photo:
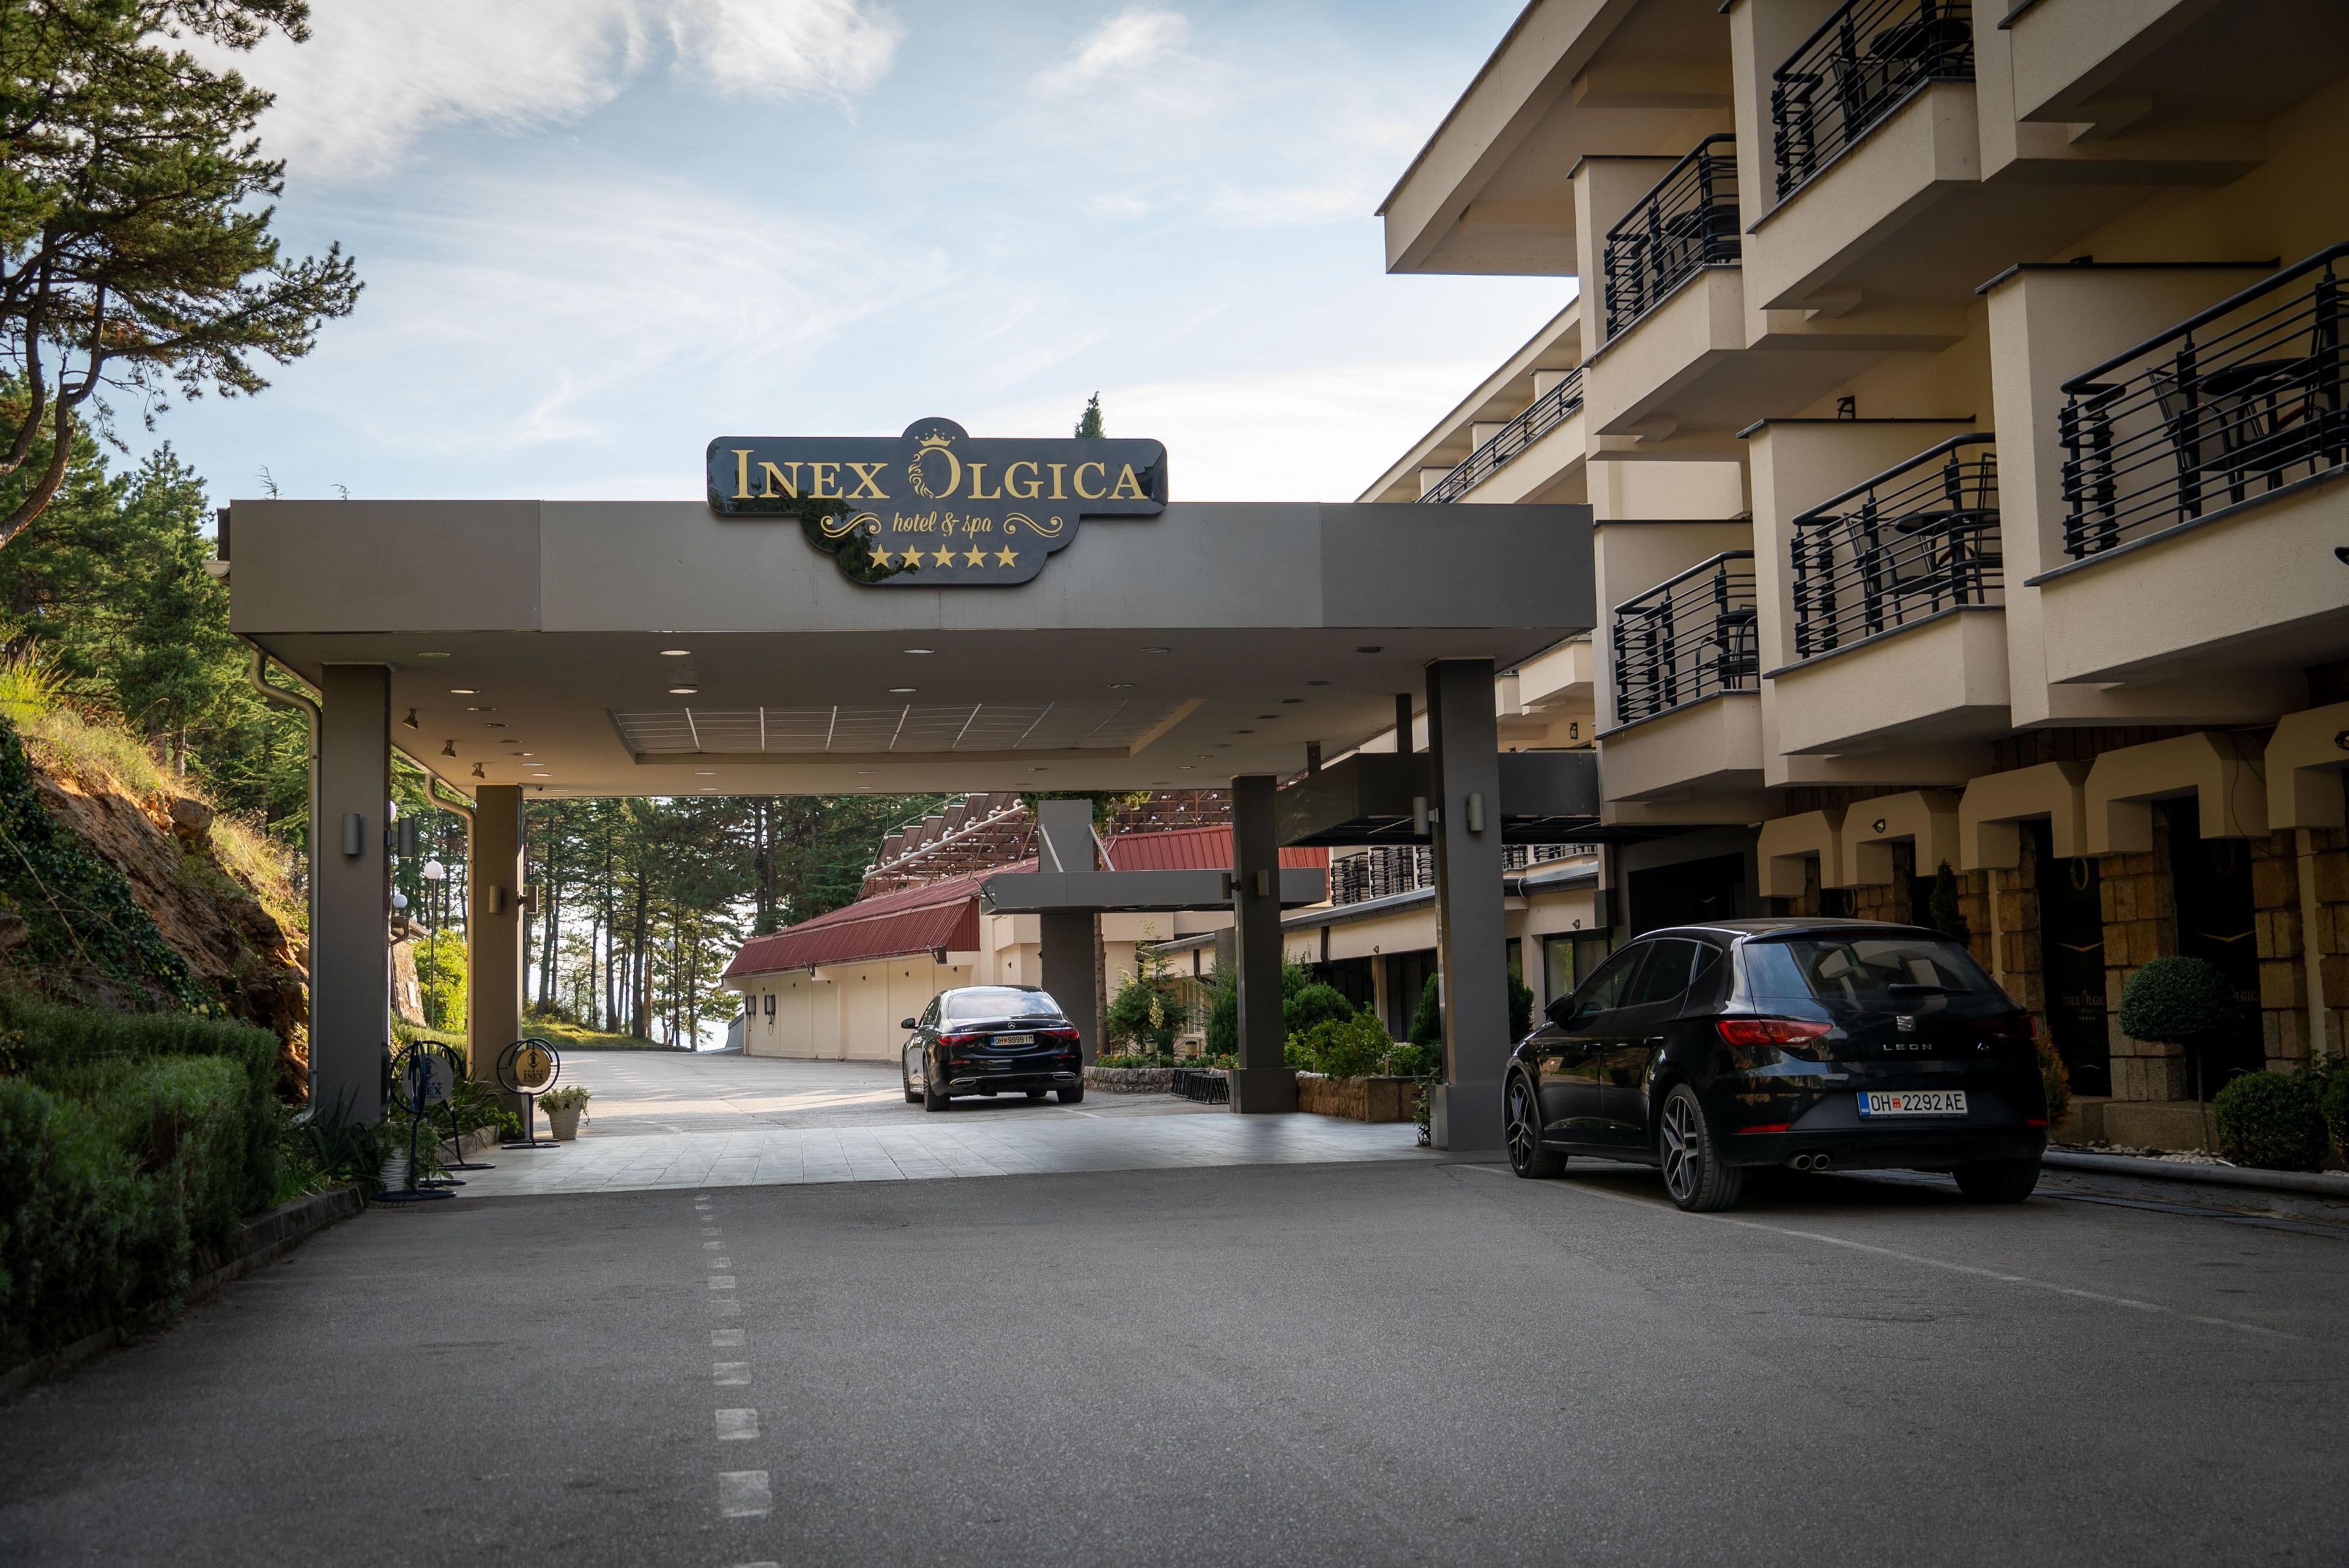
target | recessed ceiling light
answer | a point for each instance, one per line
(493, 724)
(902, 691)
(865, 786)
(1121, 686)
(677, 653)
(1157, 650)
(1292, 699)
(530, 754)
(705, 773)
(921, 650)
(862, 772)
(1184, 768)
(1039, 771)
(463, 691)
(479, 708)
(431, 655)
(1241, 732)
(683, 691)
(1268, 715)
(1316, 683)
(1370, 648)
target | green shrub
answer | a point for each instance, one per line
(182, 1122)
(1427, 1019)
(1310, 1007)
(1145, 1011)
(2176, 1002)
(76, 1228)
(2271, 1120)
(2057, 1081)
(84, 1054)
(1224, 1011)
(2333, 1102)
(1357, 1046)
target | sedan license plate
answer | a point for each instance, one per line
(1913, 1102)
(1014, 1040)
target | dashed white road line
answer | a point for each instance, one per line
(725, 1339)
(729, 1374)
(737, 1426)
(722, 1281)
(743, 1494)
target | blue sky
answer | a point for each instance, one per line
(597, 233)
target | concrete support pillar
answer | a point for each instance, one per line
(1464, 747)
(1262, 1081)
(1064, 832)
(493, 917)
(350, 962)
(1068, 964)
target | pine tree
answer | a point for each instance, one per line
(1089, 424)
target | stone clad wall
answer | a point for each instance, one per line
(2284, 982)
(2140, 909)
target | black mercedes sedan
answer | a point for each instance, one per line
(1708, 1050)
(991, 1040)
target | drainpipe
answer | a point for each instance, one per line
(256, 673)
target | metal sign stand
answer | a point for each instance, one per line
(529, 1068)
(456, 1137)
(422, 1082)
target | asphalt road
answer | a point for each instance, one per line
(1299, 1364)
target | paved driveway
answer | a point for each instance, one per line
(664, 1120)
(1404, 1362)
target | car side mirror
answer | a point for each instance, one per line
(908, 1024)
(1559, 1010)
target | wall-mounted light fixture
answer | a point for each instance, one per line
(448, 748)
(354, 834)
(410, 719)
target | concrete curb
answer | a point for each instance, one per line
(262, 1239)
(2321, 1185)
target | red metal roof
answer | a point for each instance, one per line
(1195, 850)
(916, 919)
(946, 914)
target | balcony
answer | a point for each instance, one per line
(1393, 871)
(1686, 639)
(1546, 413)
(1882, 578)
(2197, 475)
(1904, 547)
(1687, 223)
(1864, 62)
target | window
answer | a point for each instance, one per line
(999, 1002)
(1880, 970)
(1666, 977)
(1605, 989)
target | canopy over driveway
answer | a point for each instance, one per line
(658, 648)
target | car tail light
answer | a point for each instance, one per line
(960, 1040)
(1759, 1042)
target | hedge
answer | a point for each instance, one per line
(2271, 1121)
(126, 1143)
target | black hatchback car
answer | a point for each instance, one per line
(1708, 1050)
(991, 1040)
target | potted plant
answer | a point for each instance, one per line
(563, 1107)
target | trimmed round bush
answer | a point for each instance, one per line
(2176, 1002)
(1315, 1004)
(2269, 1120)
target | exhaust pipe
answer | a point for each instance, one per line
(1809, 1161)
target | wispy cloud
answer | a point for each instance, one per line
(379, 76)
(1127, 45)
(506, 324)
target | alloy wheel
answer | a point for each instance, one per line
(1521, 1133)
(1682, 1148)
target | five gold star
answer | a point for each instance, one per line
(943, 557)
(880, 556)
(1006, 558)
(974, 556)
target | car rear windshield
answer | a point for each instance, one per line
(1856, 970)
(1001, 1002)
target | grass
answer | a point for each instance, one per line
(571, 1037)
(101, 752)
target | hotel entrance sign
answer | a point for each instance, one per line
(936, 507)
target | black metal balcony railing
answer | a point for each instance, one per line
(1389, 870)
(2228, 406)
(1546, 413)
(1911, 542)
(1687, 638)
(1865, 61)
(1688, 223)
